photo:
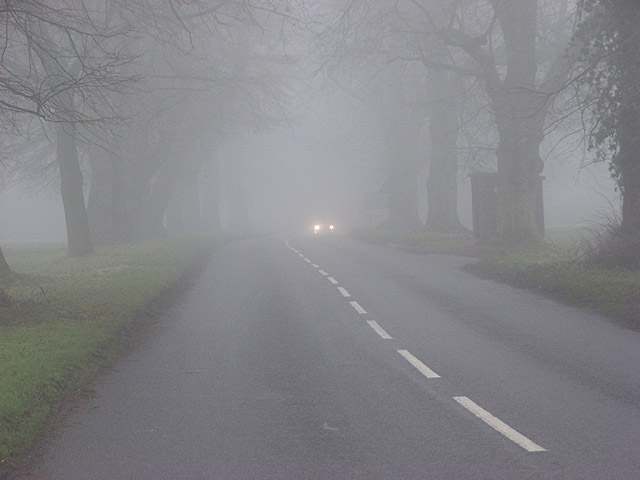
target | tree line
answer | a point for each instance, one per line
(124, 103)
(131, 99)
(495, 78)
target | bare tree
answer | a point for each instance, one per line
(519, 99)
(400, 36)
(58, 65)
(204, 72)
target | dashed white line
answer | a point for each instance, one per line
(379, 330)
(322, 272)
(421, 367)
(315, 266)
(332, 280)
(344, 292)
(301, 255)
(499, 425)
(307, 260)
(358, 308)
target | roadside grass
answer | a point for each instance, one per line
(557, 268)
(71, 317)
(422, 242)
(612, 292)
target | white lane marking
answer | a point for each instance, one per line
(301, 255)
(315, 266)
(332, 280)
(325, 426)
(379, 330)
(307, 260)
(421, 367)
(499, 425)
(286, 242)
(358, 308)
(343, 291)
(322, 272)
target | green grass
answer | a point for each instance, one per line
(70, 318)
(422, 242)
(555, 268)
(612, 292)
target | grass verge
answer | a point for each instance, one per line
(612, 292)
(71, 317)
(423, 242)
(555, 269)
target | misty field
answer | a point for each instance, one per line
(69, 317)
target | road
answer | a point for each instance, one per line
(322, 358)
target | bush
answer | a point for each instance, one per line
(609, 247)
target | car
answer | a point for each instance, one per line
(322, 228)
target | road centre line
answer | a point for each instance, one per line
(344, 292)
(315, 266)
(332, 280)
(499, 425)
(307, 260)
(421, 367)
(379, 330)
(322, 272)
(358, 308)
(301, 255)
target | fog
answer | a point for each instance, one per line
(288, 116)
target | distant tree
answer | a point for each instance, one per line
(357, 46)
(609, 35)
(57, 66)
(445, 97)
(203, 71)
(400, 125)
(502, 49)
(403, 36)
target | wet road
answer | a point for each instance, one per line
(321, 358)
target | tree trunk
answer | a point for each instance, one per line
(442, 183)
(5, 271)
(4, 266)
(519, 111)
(519, 168)
(78, 234)
(100, 205)
(211, 195)
(631, 203)
(158, 201)
(403, 201)
(628, 159)
(628, 166)
(401, 126)
(183, 210)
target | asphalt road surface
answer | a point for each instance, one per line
(322, 358)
